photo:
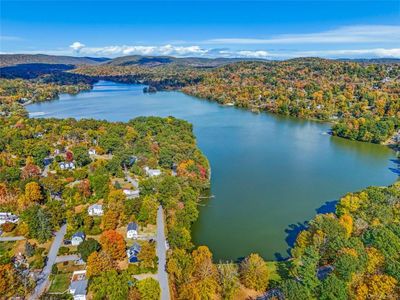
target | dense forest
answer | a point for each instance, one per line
(352, 254)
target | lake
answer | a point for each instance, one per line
(270, 174)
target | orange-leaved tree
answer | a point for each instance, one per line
(113, 243)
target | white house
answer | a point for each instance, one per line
(67, 165)
(95, 210)
(92, 152)
(78, 285)
(6, 217)
(152, 172)
(132, 230)
(77, 238)
(131, 193)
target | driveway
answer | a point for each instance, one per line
(51, 258)
(65, 258)
(11, 238)
(131, 180)
(162, 255)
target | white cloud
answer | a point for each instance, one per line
(348, 34)
(142, 50)
(77, 46)
(376, 52)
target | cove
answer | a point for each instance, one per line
(270, 174)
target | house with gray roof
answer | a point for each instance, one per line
(132, 230)
(77, 238)
(78, 285)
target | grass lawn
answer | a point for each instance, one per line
(60, 283)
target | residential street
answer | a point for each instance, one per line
(51, 258)
(162, 253)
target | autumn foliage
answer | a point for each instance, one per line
(113, 243)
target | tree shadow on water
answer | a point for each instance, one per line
(291, 234)
(294, 229)
(327, 207)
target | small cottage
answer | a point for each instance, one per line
(152, 172)
(77, 238)
(132, 230)
(95, 210)
(133, 252)
(92, 152)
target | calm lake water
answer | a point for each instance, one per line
(269, 173)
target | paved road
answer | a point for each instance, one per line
(51, 258)
(46, 170)
(11, 238)
(131, 180)
(162, 253)
(65, 258)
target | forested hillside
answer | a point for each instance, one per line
(361, 98)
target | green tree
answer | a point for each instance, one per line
(87, 247)
(228, 278)
(148, 210)
(110, 285)
(332, 288)
(149, 289)
(254, 273)
(81, 156)
(39, 223)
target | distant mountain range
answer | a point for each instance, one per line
(151, 61)
(199, 62)
(18, 59)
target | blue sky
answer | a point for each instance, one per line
(263, 29)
